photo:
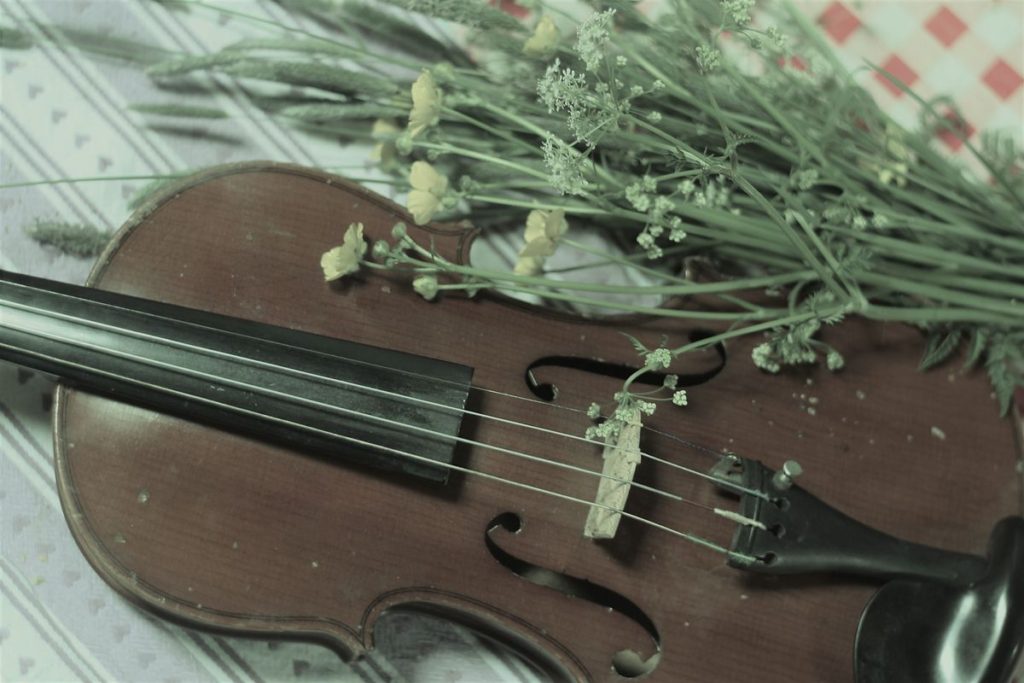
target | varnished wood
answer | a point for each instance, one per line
(220, 531)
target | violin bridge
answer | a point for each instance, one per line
(621, 456)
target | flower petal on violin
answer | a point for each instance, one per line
(426, 104)
(343, 260)
(544, 39)
(428, 190)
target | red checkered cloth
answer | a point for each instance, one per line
(971, 51)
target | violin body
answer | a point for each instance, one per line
(219, 530)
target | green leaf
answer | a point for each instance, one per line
(178, 110)
(1005, 371)
(313, 75)
(637, 344)
(940, 347)
(976, 347)
(340, 112)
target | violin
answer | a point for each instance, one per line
(242, 447)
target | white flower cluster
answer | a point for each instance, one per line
(658, 359)
(738, 10)
(592, 36)
(708, 58)
(764, 358)
(565, 166)
(587, 111)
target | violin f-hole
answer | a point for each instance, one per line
(547, 391)
(626, 662)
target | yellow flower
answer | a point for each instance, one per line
(428, 190)
(340, 261)
(544, 229)
(528, 265)
(426, 104)
(542, 42)
(384, 131)
(549, 225)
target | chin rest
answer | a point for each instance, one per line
(927, 631)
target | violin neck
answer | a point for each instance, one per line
(303, 390)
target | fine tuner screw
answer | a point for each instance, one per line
(783, 479)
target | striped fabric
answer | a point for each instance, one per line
(65, 115)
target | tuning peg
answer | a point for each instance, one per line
(790, 470)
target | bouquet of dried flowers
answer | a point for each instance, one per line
(691, 140)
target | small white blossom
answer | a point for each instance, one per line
(779, 42)
(658, 358)
(679, 397)
(708, 58)
(594, 411)
(565, 166)
(636, 196)
(738, 10)
(670, 381)
(764, 359)
(591, 38)
(343, 260)
(834, 360)
(646, 407)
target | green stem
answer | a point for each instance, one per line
(89, 179)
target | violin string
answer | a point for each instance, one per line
(693, 538)
(409, 373)
(396, 396)
(264, 391)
